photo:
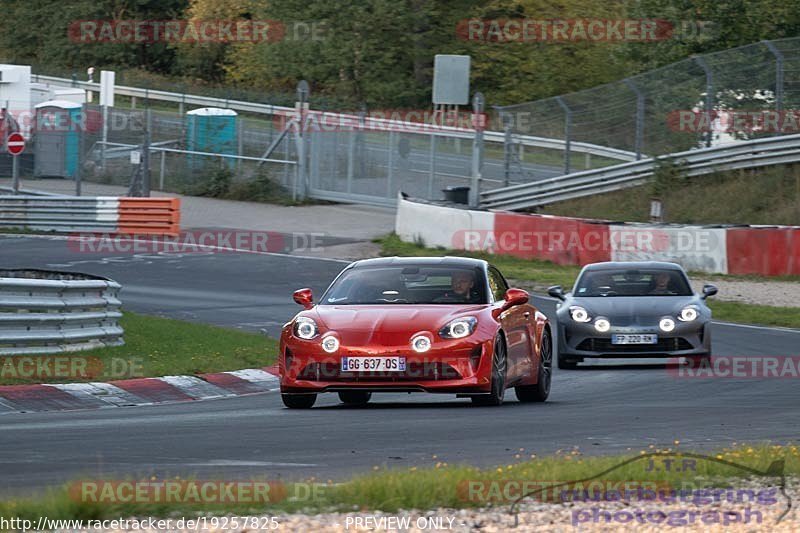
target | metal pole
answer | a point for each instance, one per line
(507, 148)
(709, 96)
(302, 97)
(240, 145)
(477, 150)
(390, 171)
(351, 154)
(639, 141)
(81, 146)
(15, 173)
(432, 172)
(146, 154)
(163, 168)
(567, 132)
(778, 79)
(105, 139)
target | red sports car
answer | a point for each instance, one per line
(416, 324)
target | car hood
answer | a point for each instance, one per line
(633, 309)
(387, 324)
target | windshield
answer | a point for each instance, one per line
(633, 282)
(408, 285)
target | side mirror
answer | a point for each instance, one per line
(709, 290)
(515, 297)
(556, 292)
(304, 297)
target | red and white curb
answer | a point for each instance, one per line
(131, 392)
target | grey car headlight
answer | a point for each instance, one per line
(579, 314)
(602, 325)
(666, 324)
(688, 314)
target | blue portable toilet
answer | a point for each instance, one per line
(213, 130)
(56, 129)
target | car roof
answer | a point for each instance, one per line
(421, 261)
(615, 265)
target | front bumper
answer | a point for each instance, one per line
(456, 367)
(583, 340)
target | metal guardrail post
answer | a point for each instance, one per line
(778, 78)
(567, 132)
(638, 142)
(478, 103)
(709, 96)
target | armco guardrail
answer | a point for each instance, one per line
(84, 214)
(43, 312)
(740, 155)
(372, 122)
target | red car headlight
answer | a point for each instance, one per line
(305, 328)
(459, 328)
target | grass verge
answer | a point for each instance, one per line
(537, 275)
(443, 485)
(734, 197)
(157, 346)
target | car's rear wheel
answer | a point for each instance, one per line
(355, 397)
(540, 391)
(299, 401)
(499, 369)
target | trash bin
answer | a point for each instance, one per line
(456, 195)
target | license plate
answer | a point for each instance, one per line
(634, 339)
(373, 364)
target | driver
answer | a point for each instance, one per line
(461, 283)
(662, 283)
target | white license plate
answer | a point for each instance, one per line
(634, 339)
(373, 364)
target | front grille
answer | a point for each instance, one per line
(413, 372)
(663, 345)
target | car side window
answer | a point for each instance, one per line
(497, 284)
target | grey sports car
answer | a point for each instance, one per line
(626, 309)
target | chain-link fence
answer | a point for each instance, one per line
(701, 101)
(261, 153)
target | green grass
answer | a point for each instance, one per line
(537, 275)
(157, 346)
(443, 485)
(767, 315)
(735, 197)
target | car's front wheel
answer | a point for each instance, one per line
(299, 401)
(540, 391)
(499, 368)
(355, 397)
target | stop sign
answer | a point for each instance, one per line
(15, 144)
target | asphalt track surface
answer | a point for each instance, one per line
(600, 409)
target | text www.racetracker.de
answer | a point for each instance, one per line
(201, 523)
